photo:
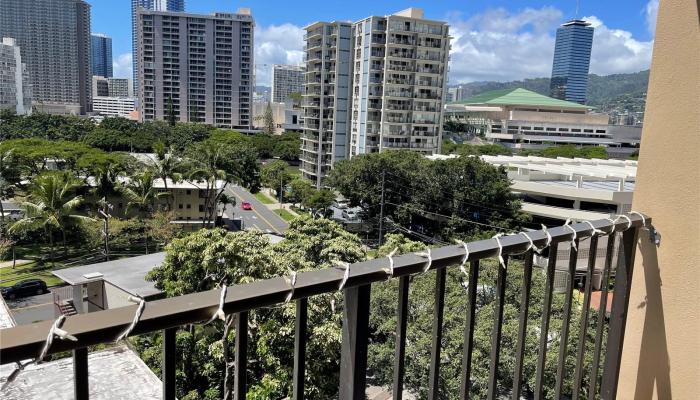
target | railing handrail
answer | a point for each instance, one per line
(26, 341)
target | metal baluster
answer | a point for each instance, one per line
(81, 387)
(564, 337)
(434, 378)
(496, 332)
(583, 327)
(300, 324)
(618, 316)
(469, 330)
(522, 331)
(602, 310)
(353, 354)
(544, 327)
(239, 383)
(400, 347)
(169, 363)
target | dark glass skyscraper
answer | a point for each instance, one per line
(153, 5)
(101, 55)
(572, 58)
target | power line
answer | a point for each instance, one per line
(457, 201)
(452, 217)
(472, 202)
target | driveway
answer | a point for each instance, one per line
(260, 217)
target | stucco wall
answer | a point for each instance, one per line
(661, 357)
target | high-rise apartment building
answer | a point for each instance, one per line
(15, 90)
(326, 97)
(152, 5)
(111, 87)
(394, 96)
(101, 55)
(54, 36)
(572, 58)
(286, 79)
(399, 83)
(199, 67)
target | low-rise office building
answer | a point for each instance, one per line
(555, 190)
(112, 87)
(114, 106)
(287, 117)
(523, 120)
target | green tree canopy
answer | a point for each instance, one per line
(200, 260)
(446, 198)
(274, 175)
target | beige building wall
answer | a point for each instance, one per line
(661, 356)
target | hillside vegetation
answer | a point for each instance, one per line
(602, 90)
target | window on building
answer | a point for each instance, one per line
(201, 208)
(179, 206)
(189, 191)
(189, 206)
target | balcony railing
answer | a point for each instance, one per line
(167, 315)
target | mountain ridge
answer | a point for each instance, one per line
(602, 89)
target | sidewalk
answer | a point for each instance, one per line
(275, 206)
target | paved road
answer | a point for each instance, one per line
(260, 217)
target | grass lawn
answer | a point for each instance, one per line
(263, 198)
(300, 211)
(294, 170)
(9, 276)
(286, 215)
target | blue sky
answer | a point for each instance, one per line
(499, 40)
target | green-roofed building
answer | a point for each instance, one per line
(521, 97)
(524, 120)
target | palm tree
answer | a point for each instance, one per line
(208, 160)
(165, 166)
(7, 167)
(142, 195)
(51, 205)
(226, 200)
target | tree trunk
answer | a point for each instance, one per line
(50, 245)
(2, 219)
(65, 248)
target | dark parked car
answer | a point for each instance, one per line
(24, 288)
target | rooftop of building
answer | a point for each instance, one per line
(128, 274)
(120, 372)
(115, 373)
(519, 97)
(242, 14)
(579, 22)
(571, 167)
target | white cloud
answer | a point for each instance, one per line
(616, 51)
(650, 12)
(502, 45)
(276, 44)
(122, 66)
(498, 45)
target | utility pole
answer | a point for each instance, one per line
(281, 176)
(381, 210)
(104, 211)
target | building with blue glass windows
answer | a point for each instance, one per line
(151, 5)
(101, 58)
(572, 58)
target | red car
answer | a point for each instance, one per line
(246, 206)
